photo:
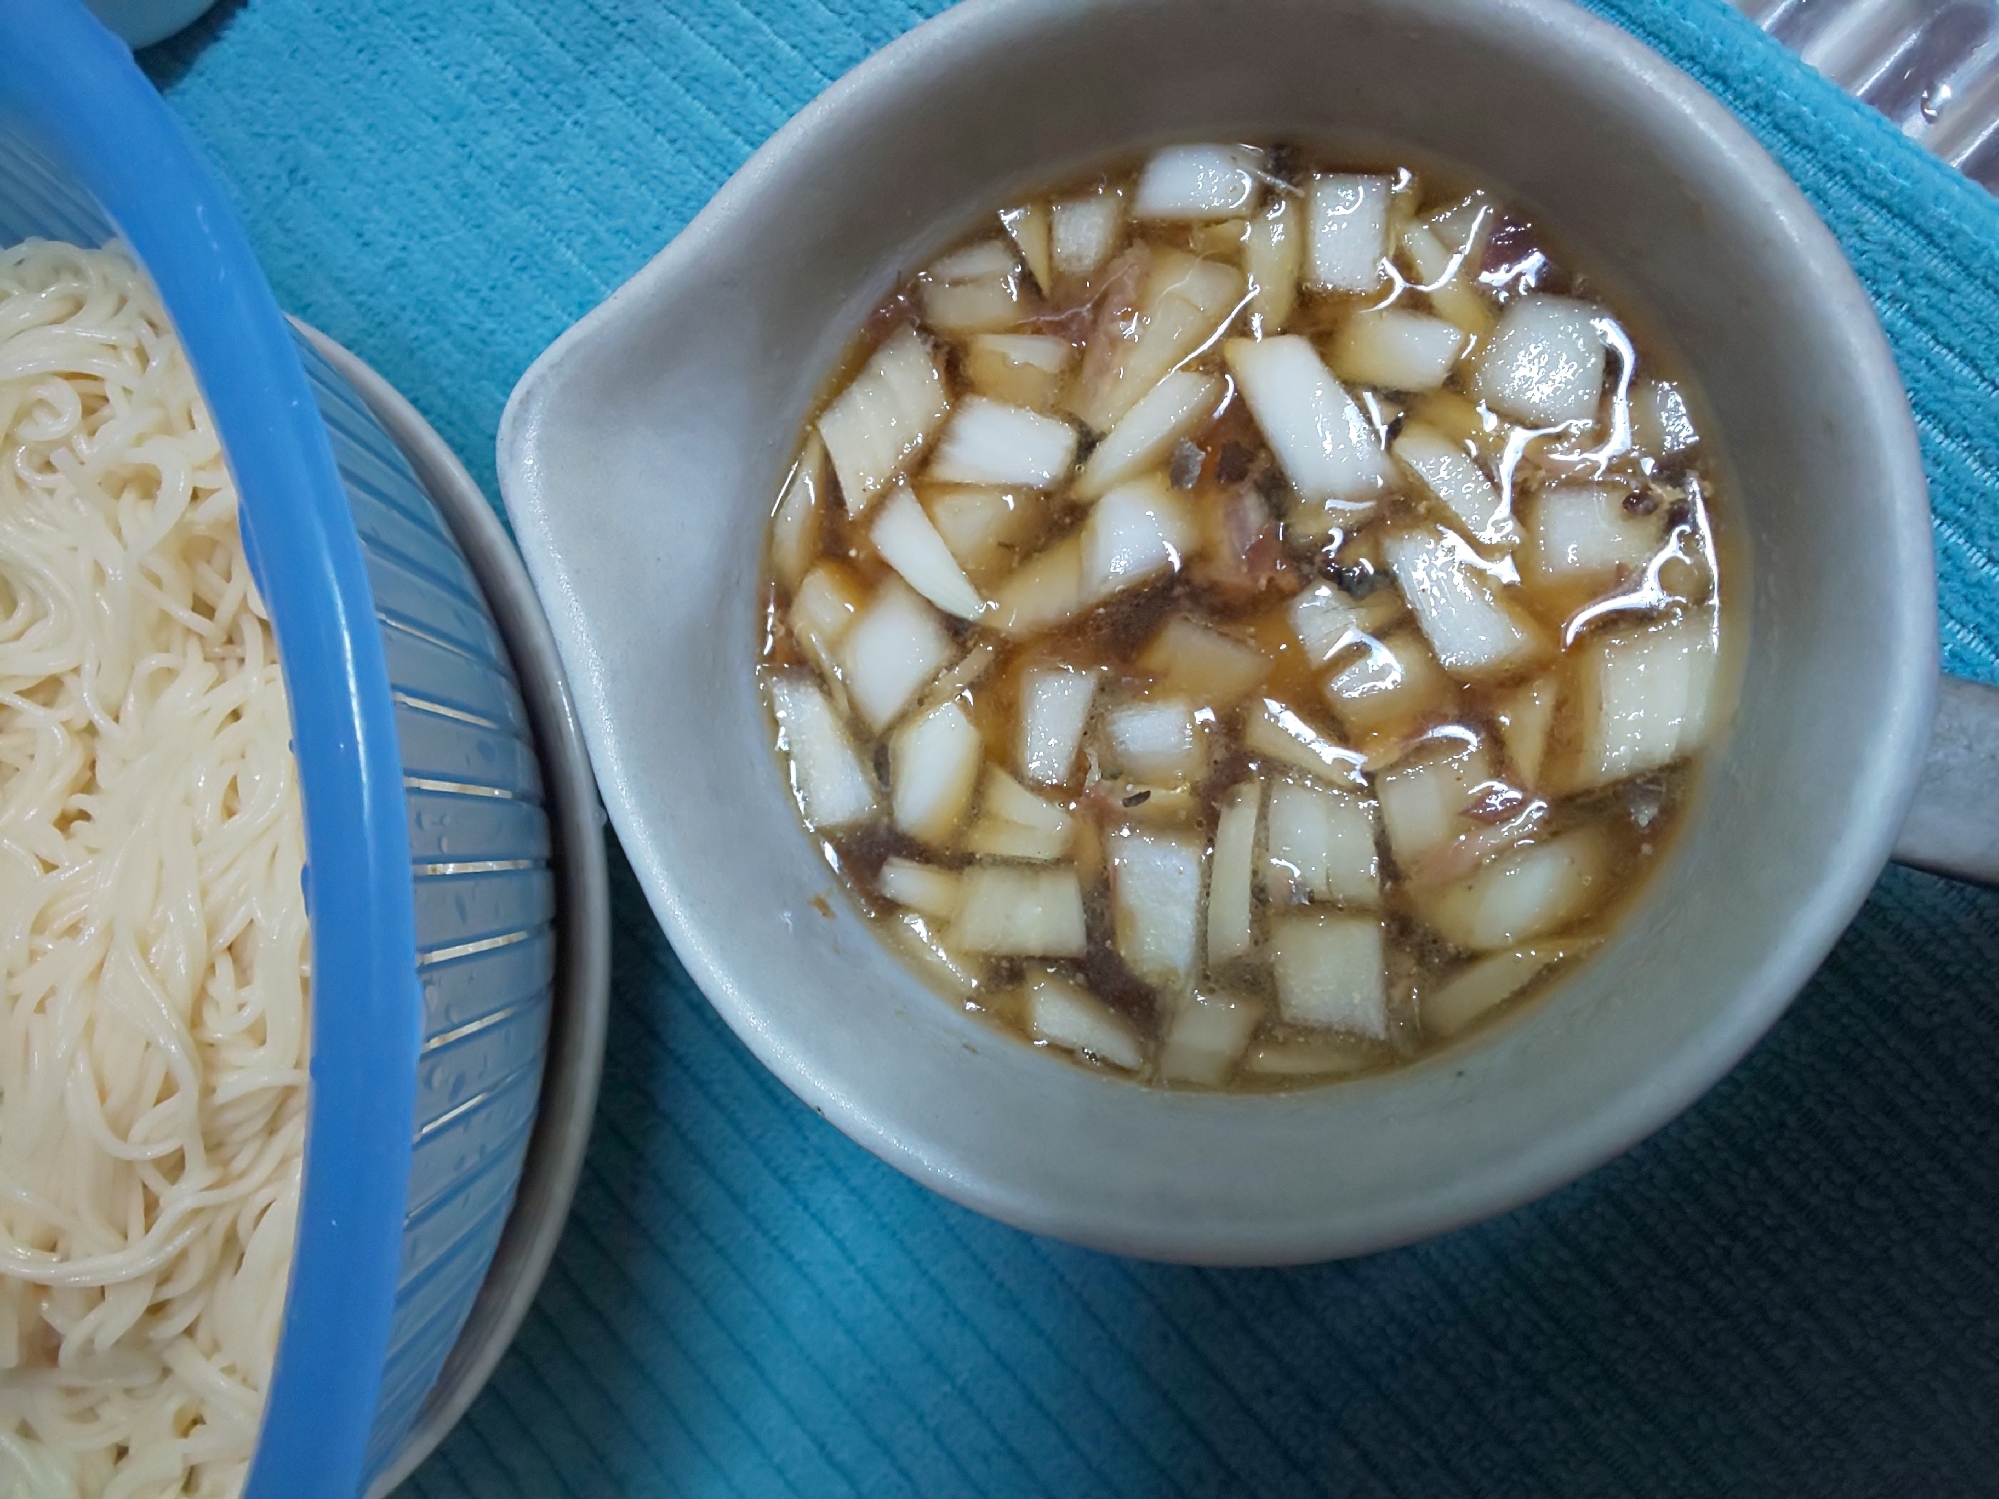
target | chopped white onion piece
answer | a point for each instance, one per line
(892, 652)
(1396, 350)
(1137, 532)
(1173, 408)
(1028, 226)
(794, 530)
(1450, 473)
(1231, 898)
(1200, 662)
(1273, 252)
(1454, 293)
(1581, 537)
(1423, 804)
(1527, 893)
(1014, 823)
(1276, 732)
(1660, 421)
(1329, 972)
(1476, 632)
(1156, 888)
(1546, 362)
(824, 608)
(988, 443)
(1644, 699)
(1005, 910)
(1525, 715)
(1084, 231)
(1054, 709)
(1483, 985)
(1346, 231)
(1396, 683)
(1321, 845)
(1205, 1036)
(1044, 591)
(924, 888)
(833, 788)
(909, 543)
(933, 770)
(1328, 619)
(1156, 740)
(1199, 183)
(1021, 369)
(1323, 440)
(972, 290)
(911, 932)
(879, 422)
(984, 527)
(1064, 1015)
(1186, 302)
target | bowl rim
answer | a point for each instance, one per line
(1567, 31)
(145, 176)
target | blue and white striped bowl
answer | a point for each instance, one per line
(428, 878)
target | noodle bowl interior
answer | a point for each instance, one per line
(153, 937)
(1240, 620)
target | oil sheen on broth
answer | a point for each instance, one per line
(1239, 621)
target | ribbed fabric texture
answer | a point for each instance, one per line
(1792, 1291)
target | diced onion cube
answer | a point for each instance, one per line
(1155, 741)
(1276, 732)
(1156, 885)
(1084, 231)
(833, 788)
(1660, 422)
(1028, 227)
(1020, 369)
(1328, 619)
(1644, 699)
(1450, 473)
(1526, 893)
(1201, 663)
(933, 769)
(1176, 406)
(1014, 823)
(972, 290)
(1581, 537)
(1327, 1057)
(1006, 910)
(1396, 350)
(1205, 1037)
(882, 420)
(982, 526)
(1054, 709)
(1137, 532)
(824, 608)
(1186, 302)
(1474, 630)
(1482, 986)
(1346, 231)
(1198, 183)
(1321, 844)
(1064, 1015)
(794, 530)
(909, 543)
(924, 888)
(892, 652)
(1525, 715)
(1273, 251)
(1231, 897)
(1396, 683)
(1546, 361)
(1044, 591)
(1423, 804)
(1323, 440)
(1329, 972)
(989, 443)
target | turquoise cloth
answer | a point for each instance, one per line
(1792, 1290)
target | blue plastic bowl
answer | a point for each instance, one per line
(427, 846)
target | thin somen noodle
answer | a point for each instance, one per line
(153, 938)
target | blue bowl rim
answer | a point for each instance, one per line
(74, 90)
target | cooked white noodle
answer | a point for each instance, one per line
(153, 943)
